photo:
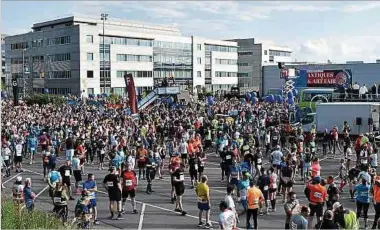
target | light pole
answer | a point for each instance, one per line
(104, 17)
(23, 74)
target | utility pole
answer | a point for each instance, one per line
(104, 17)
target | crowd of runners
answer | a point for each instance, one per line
(176, 141)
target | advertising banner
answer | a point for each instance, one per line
(130, 84)
(323, 78)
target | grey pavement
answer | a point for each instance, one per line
(156, 212)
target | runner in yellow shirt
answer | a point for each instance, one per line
(203, 193)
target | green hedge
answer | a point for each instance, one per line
(11, 218)
(43, 99)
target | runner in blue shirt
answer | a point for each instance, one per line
(362, 200)
(243, 189)
(91, 188)
(29, 195)
(235, 175)
(32, 147)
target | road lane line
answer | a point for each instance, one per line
(142, 216)
(43, 190)
(11, 178)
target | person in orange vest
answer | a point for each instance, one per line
(254, 199)
(375, 191)
(317, 195)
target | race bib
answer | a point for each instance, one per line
(363, 193)
(6, 158)
(67, 172)
(266, 187)
(275, 138)
(32, 149)
(294, 225)
(57, 199)
(196, 167)
(181, 177)
(110, 184)
(128, 183)
(364, 161)
(259, 161)
(228, 157)
(318, 195)
(202, 164)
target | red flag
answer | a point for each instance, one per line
(130, 84)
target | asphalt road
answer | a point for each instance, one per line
(156, 212)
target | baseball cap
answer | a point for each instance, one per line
(18, 178)
(317, 179)
(336, 205)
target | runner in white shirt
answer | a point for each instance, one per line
(227, 219)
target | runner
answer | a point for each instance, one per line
(227, 219)
(203, 193)
(179, 179)
(129, 185)
(91, 188)
(112, 184)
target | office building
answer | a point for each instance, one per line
(67, 55)
(3, 70)
(252, 56)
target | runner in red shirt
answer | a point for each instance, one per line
(130, 183)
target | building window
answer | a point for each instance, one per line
(140, 74)
(199, 60)
(199, 74)
(90, 74)
(225, 61)
(245, 53)
(59, 75)
(37, 43)
(19, 46)
(127, 41)
(60, 57)
(89, 39)
(90, 91)
(199, 46)
(279, 53)
(133, 58)
(243, 64)
(217, 48)
(59, 40)
(243, 75)
(265, 52)
(225, 74)
(90, 56)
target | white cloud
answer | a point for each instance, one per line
(339, 49)
(360, 7)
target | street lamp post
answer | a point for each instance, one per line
(104, 17)
(23, 74)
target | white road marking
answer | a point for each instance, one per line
(11, 178)
(142, 216)
(42, 191)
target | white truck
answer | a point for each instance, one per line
(359, 115)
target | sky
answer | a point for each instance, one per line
(316, 31)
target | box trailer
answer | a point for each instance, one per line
(361, 116)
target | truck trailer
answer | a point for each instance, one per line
(362, 117)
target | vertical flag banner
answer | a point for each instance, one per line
(130, 84)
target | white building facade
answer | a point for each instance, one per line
(253, 56)
(67, 56)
